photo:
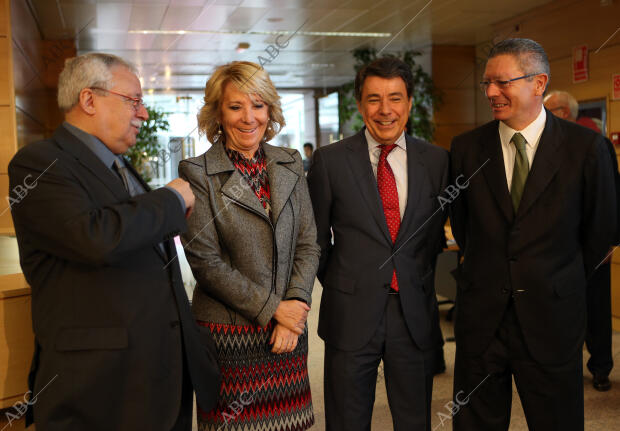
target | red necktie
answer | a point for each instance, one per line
(389, 198)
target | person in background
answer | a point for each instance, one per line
(252, 247)
(377, 191)
(116, 347)
(308, 149)
(599, 332)
(562, 104)
(534, 220)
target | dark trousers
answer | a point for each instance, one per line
(598, 336)
(184, 420)
(551, 395)
(351, 378)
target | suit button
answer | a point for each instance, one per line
(505, 290)
(174, 323)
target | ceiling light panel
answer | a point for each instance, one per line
(180, 17)
(113, 16)
(145, 16)
(212, 17)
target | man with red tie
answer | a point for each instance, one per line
(378, 193)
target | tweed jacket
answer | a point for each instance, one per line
(244, 262)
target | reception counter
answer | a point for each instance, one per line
(16, 338)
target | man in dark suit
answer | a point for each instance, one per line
(598, 333)
(377, 192)
(534, 221)
(116, 345)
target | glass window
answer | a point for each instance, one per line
(328, 119)
(293, 134)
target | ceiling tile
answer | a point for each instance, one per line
(212, 17)
(323, 61)
(180, 17)
(244, 18)
(147, 17)
(113, 16)
(139, 41)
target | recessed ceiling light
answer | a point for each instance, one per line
(242, 47)
(265, 32)
(275, 19)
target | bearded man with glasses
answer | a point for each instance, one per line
(533, 223)
(116, 346)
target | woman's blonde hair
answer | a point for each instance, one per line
(249, 78)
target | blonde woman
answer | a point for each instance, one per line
(252, 247)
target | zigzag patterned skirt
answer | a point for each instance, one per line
(260, 391)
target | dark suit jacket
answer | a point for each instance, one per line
(616, 175)
(356, 269)
(111, 319)
(542, 255)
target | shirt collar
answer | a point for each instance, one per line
(93, 143)
(236, 157)
(531, 133)
(372, 144)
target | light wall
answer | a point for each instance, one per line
(454, 75)
(29, 69)
(8, 141)
(563, 24)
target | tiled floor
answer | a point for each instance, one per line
(602, 409)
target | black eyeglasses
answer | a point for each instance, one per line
(136, 102)
(502, 85)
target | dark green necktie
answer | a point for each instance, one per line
(520, 171)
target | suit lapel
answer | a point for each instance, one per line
(416, 183)
(494, 170)
(238, 190)
(235, 188)
(546, 164)
(90, 161)
(366, 181)
(282, 180)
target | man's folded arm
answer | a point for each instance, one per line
(66, 221)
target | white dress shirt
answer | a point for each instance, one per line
(531, 134)
(397, 158)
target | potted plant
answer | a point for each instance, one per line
(147, 145)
